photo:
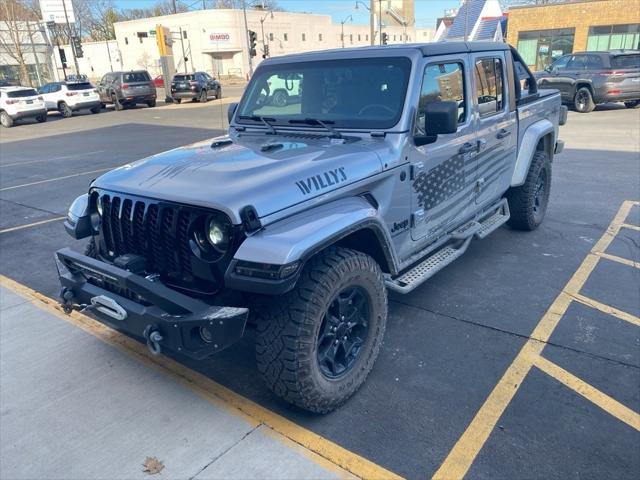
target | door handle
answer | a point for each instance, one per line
(468, 147)
(503, 133)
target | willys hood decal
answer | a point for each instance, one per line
(270, 173)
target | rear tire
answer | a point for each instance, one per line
(177, 100)
(528, 202)
(65, 110)
(339, 297)
(632, 104)
(95, 110)
(6, 120)
(203, 97)
(41, 118)
(151, 103)
(219, 93)
(583, 101)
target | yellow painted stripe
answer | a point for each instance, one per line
(217, 394)
(55, 179)
(615, 258)
(29, 225)
(631, 227)
(590, 302)
(602, 400)
(464, 452)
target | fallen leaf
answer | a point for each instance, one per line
(152, 465)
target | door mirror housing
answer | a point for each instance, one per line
(231, 111)
(439, 118)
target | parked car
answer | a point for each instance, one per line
(198, 86)
(77, 78)
(310, 211)
(159, 81)
(17, 103)
(69, 97)
(586, 79)
(126, 89)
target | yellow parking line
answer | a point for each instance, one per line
(215, 393)
(468, 446)
(29, 225)
(590, 302)
(631, 227)
(615, 258)
(602, 400)
(55, 179)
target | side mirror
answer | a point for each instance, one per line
(440, 118)
(231, 111)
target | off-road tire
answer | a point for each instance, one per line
(41, 118)
(116, 103)
(90, 250)
(583, 101)
(280, 98)
(6, 120)
(632, 104)
(95, 110)
(177, 100)
(522, 199)
(219, 93)
(203, 98)
(288, 329)
(65, 110)
(151, 103)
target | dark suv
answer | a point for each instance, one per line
(588, 78)
(194, 86)
(125, 89)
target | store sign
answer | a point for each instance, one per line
(216, 37)
(54, 11)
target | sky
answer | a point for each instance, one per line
(427, 11)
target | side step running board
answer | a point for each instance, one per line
(443, 257)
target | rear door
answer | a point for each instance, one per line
(496, 126)
(44, 92)
(103, 87)
(442, 187)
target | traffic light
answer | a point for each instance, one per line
(63, 57)
(253, 40)
(266, 52)
(76, 46)
(385, 38)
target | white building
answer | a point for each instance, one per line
(97, 59)
(33, 48)
(214, 41)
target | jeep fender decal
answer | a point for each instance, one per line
(321, 181)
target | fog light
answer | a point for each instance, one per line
(206, 335)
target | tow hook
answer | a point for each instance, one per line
(154, 337)
(67, 303)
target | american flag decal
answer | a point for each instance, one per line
(439, 183)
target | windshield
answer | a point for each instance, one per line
(135, 77)
(355, 93)
(626, 61)
(79, 86)
(27, 92)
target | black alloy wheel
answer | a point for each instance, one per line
(540, 197)
(343, 332)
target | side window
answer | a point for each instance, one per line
(443, 82)
(489, 85)
(45, 88)
(578, 62)
(561, 63)
(56, 87)
(594, 62)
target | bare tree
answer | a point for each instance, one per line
(14, 34)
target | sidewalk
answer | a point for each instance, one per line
(73, 406)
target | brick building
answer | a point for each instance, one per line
(543, 33)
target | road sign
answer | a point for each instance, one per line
(53, 11)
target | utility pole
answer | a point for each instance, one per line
(184, 56)
(73, 52)
(109, 54)
(33, 51)
(246, 33)
(174, 7)
(342, 27)
(380, 20)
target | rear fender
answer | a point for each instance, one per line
(528, 146)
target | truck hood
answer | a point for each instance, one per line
(268, 172)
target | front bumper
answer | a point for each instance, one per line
(28, 113)
(142, 307)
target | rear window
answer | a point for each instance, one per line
(29, 92)
(626, 61)
(182, 78)
(135, 77)
(79, 86)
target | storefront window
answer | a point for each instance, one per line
(541, 47)
(612, 37)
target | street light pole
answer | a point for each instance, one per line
(73, 52)
(262, 28)
(372, 21)
(342, 27)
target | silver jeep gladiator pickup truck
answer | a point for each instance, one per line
(380, 168)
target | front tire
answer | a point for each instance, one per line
(6, 120)
(317, 344)
(528, 202)
(632, 104)
(151, 103)
(203, 96)
(219, 93)
(116, 103)
(583, 101)
(41, 118)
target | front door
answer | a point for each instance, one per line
(441, 172)
(496, 126)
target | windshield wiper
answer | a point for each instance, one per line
(258, 118)
(323, 123)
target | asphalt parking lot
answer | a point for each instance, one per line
(520, 360)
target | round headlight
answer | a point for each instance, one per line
(216, 233)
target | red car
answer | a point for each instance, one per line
(159, 81)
